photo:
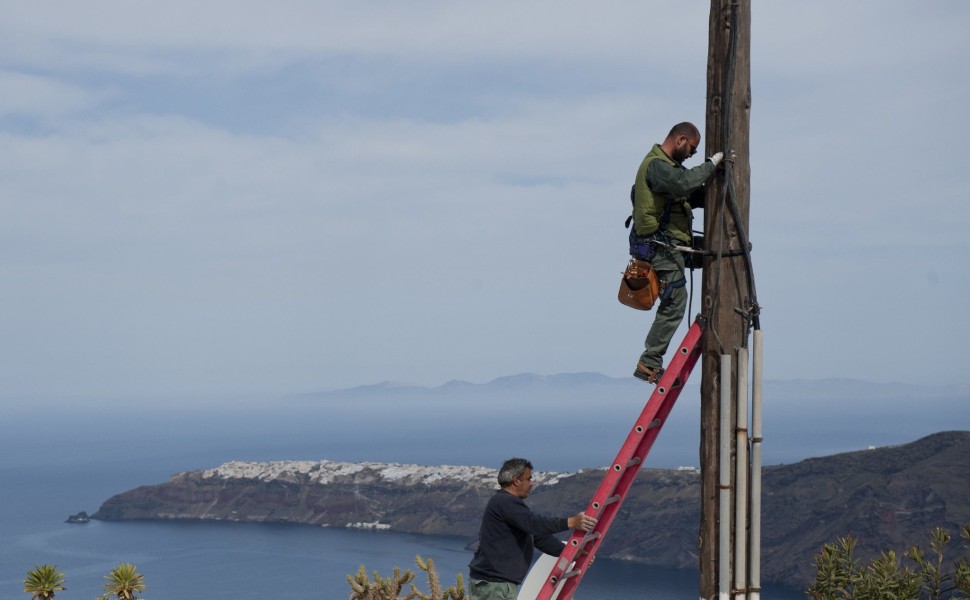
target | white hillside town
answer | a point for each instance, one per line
(324, 472)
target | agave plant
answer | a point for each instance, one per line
(124, 581)
(43, 581)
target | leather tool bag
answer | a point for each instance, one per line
(639, 287)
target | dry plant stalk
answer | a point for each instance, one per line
(389, 588)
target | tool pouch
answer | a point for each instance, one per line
(639, 287)
(642, 246)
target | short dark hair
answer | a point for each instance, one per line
(512, 468)
(686, 128)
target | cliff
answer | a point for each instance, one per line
(887, 497)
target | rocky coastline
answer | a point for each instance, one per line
(889, 498)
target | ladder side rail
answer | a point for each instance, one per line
(624, 469)
(580, 554)
(582, 546)
(603, 506)
(630, 472)
(628, 452)
(658, 408)
(686, 356)
(628, 458)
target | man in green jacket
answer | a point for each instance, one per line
(664, 194)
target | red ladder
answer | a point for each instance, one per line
(579, 551)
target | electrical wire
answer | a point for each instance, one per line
(728, 196)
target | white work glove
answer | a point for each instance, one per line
(717, 158)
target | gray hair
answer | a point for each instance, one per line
(512, 468)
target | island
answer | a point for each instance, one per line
(81, 517)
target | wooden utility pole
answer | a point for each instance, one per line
(725, 290)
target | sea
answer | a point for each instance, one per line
(65, 455)
(251, 561)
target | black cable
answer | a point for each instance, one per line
(728, 197)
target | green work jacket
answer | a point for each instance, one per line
(660, 180)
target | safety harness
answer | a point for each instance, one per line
(644, 247)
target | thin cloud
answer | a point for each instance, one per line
(229, 197)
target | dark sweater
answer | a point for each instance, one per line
(508, 533)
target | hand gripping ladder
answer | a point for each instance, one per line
(578, 552)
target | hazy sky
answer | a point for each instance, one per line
(292, 196)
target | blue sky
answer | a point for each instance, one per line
(241, 197)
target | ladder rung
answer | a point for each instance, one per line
(593, 535)
(612, 500)
(655, 423)
(572, 573)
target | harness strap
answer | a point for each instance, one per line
(670, 287)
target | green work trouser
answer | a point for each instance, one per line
(669, 265)
(492, 590)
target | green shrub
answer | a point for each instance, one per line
(841, 576)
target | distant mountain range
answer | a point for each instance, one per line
(571, 381)
(522, 381)
(889, 498)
